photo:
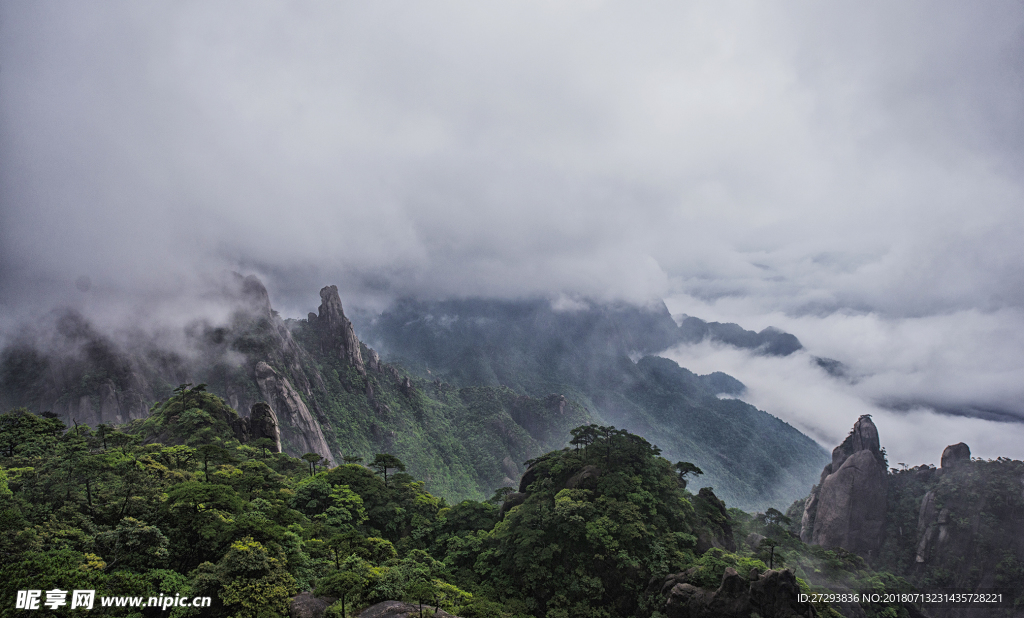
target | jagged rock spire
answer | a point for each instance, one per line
(847, 509)
(336, 332)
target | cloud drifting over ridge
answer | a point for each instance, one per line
(852, 171)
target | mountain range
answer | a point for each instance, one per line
(466, 391)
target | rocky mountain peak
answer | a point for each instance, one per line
(252, 294)
(335, 330)
(847, 509)
(864, 437)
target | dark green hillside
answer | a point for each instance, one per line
(753, 459)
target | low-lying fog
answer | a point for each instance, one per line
(919, 378)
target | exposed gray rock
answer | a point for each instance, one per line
(299, 431)
(372, 359)
(263, 423)
(511, 501)
(586, 478)
(932, 527)
(110, 409)
(719, 535)
(336, 332)
(847, 509)
(772, 594)
(306, 605)
(954, 454)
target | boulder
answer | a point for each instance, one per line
(955, 454)
(586, 478)
(769, 594)
(306, 605)
(511, 501)
(847, 509)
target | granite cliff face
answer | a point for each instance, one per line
(847, 509)
(261, 423)
(299, 430)
(336, 332)
(959, 526)
(934, 520)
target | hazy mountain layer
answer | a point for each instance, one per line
(753, 459)
(330, 392)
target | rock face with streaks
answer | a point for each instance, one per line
(298, 429)
(335, 330)
(263, 424)
(847, 509)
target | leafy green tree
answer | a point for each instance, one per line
(382, 462)
(253, 581)
(775, 523)
(420, 591)
(182, 393)
(312, 459)
(343, 585)
(685, 468)
(103, 431)
(500, 494)
(134, 544)
(569, 550)
(213, 453)
(345, 508)
(585, 435)
(264, 444)
(767, 546)
(312, 495)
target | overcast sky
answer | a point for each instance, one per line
(851, 172)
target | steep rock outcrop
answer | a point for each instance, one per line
(261, 423)
(300, 432)
(847, 509)
(770, 594)
(954, 454)
(717, 531)
(335, 330)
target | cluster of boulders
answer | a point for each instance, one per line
(774, 593)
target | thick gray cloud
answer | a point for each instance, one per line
(805, 160)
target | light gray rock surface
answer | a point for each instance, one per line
(847, 509)
(299, 431)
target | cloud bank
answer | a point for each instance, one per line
(852, 171)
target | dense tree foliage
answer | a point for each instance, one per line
(149, 509)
